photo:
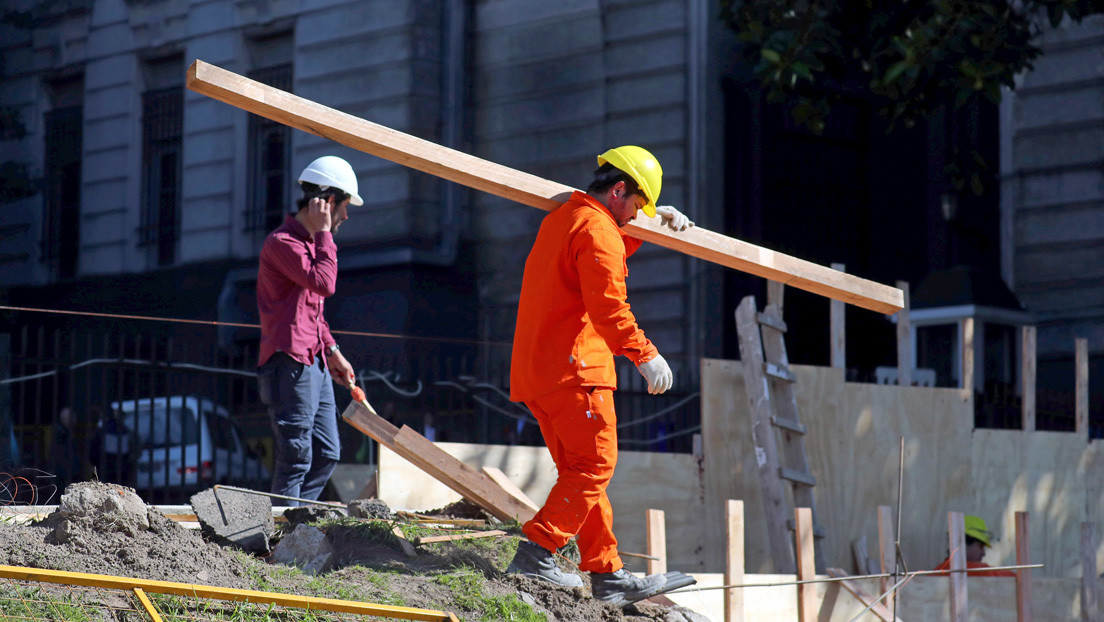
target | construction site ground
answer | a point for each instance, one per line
(465, 576)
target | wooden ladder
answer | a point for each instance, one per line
(777, 432)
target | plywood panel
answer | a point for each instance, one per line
(852, 448)
(853, 445)
(992, 599)
(922, 599)
(729, 468)
(1042, 473)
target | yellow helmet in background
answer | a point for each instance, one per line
(642, 166)
(977, 529)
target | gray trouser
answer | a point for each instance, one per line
(300, 402)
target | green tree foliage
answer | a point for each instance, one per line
(913, 55)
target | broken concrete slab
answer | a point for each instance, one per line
(373, 509)
(235, 518)
(306, 547)
(311, 514)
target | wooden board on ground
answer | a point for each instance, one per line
(473, 485)
(423, 155)
(471, 535)
(509, 486)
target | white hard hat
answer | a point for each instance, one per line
(332, 171)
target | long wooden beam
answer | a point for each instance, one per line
(462, 168)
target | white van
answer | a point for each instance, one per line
(182, 441)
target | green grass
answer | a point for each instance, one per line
(32, 603)
(468, 593)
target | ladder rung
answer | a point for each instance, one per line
(779, 372)
(799, 477)
(773, 322)
(788, 424)
(818, 531)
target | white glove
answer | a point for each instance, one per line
(658, 374)
(673, 218)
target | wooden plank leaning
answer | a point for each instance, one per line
(473, 485)
(462, 168)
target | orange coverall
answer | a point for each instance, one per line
(572, 320)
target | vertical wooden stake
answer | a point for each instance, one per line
(1028, 378)
(776, 291)
(657, 541)
(968, 354)
(887, 551)
(904, 341)
(838, 328)
(734, 560)
(806, 565)
(1090, 593)
(956, 541)
(1081, 363)
(1023, 575)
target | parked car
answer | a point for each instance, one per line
(184, 442)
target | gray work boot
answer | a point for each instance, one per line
(533, 560)
(623, 588)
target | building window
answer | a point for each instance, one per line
(269, 159)
(61, 229)
(162, 125)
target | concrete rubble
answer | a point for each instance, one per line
(235, 519)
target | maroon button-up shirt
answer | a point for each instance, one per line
(296, 274)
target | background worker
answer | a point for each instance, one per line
(977, 540)
(572, 319)
(298, 270)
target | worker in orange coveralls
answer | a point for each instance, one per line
(977, 540)
(572, 319)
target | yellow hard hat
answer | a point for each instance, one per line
(642, 166)
(976, 529)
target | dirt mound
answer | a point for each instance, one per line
(105, 529)
(97, 529)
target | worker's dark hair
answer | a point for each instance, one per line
(311, 191)
(607, 175)
(970, 540)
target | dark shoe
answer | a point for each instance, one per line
(676, 579)
(532, 560)
(623, 588)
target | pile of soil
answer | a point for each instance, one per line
(106, 529)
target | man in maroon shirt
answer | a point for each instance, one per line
(298, 270)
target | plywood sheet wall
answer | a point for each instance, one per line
(1054, 476)
(852, 446)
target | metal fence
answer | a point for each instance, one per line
(171, 408)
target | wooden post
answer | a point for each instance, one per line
(734, 560)
(1023, 575)
(838, 328)
(956, 541)
(904, 340)
(1028, 378)
(806, 565)
(463, 168)
(1090, 590)
(968, 354)
(1081, 363)
(657, 541)
(776, 294)
(887, 551)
